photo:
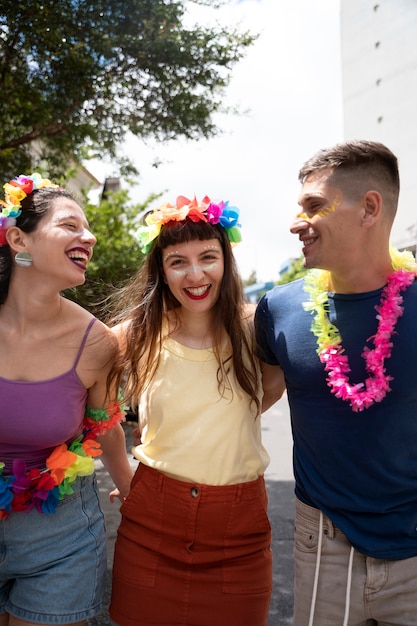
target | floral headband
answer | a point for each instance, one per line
(14, 192)
(205, 211)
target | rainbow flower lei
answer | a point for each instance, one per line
(14, 192)
(362, 395)
(206, 211)
(43, 489)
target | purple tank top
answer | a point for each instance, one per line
(35, 417)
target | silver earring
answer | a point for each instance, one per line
(23, 259)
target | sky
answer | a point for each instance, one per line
(289, 84)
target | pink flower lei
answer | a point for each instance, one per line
(362, 395)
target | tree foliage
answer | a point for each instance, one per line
(296, 270)
(76, 76)
(117, 255)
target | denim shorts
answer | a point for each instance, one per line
(53, 567)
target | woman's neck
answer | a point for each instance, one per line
(193, 331)
(25, 310)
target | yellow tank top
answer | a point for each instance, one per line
(191, 433)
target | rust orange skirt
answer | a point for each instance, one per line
(192, 555)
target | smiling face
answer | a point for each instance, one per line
(328, 224)
(194, 271)
(62, 243)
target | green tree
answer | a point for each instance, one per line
(296, 270)
(77, 76)
(251, 279)
(117, 254)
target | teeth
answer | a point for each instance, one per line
(197, 291)
(78, 256)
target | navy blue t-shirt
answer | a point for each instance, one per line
(360, 468)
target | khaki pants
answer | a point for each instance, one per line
(380, 592)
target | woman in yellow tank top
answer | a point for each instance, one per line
(193, 546)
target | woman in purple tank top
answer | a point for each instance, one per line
(56, 413)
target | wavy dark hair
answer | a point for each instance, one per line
(144, 301)
(33, 208)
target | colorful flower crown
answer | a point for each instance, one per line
(14, 192)
(205, 211)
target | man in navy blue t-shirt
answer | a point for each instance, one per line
(344, 338)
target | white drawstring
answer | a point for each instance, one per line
(316, 578)
(348, 586)
(316, 574)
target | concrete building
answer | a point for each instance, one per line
(379, 78)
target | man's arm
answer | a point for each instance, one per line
(273, 384)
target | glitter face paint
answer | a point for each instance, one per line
(194, 272)
(187, 269)
(209, 267)
(321, 212)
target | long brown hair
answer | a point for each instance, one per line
(143, 303)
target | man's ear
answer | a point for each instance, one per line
(371, 208)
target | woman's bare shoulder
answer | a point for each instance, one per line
(248, 311)
(120, 331)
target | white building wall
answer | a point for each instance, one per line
(379, 74)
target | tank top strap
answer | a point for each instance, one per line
(87, 332)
